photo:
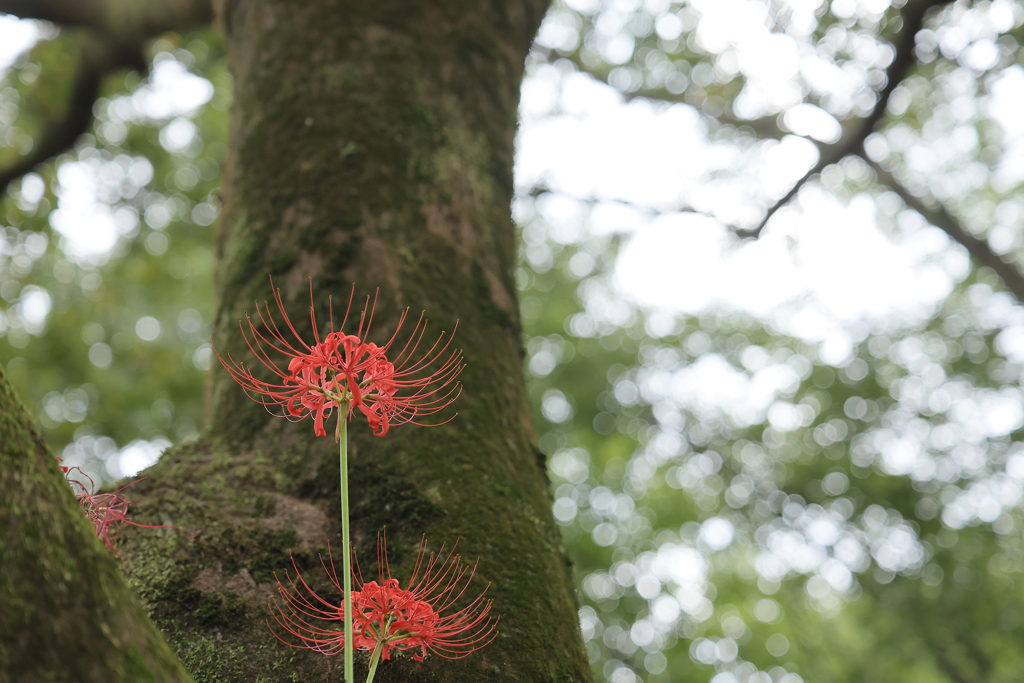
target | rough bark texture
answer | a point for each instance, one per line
(66, 613)
(371, 143)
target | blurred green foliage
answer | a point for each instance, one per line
(106, 254)
(864, 524)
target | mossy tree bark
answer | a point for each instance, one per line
(371, 143)
(66, 612)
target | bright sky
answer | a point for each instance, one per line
(16, 36)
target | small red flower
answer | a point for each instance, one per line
(108, 512)
(343, 369)
(421, 617)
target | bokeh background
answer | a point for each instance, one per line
(783, 459)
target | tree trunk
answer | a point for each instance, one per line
(66, 613)
(371, 143)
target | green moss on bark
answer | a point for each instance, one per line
(67, 613)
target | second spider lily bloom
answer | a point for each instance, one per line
(340, 369)
(424, 617)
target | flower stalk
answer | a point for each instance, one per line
(342, 436)
(374, 661)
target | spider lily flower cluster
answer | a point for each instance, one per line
(389, 385)
(108, 512)
(387, 617)
(343, 370)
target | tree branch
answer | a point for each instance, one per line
(82, 13)
(913, 21)
(763, 127)
(124, 20)
(942, 219)
(112, 37)
(855, 130)
(592, 201)
(96, 60)
(950, 668)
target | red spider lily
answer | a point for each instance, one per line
(342, 369)
(108, 512)
(388, 617)
(423, 616)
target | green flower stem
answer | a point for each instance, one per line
(374, 660)
(345, 539)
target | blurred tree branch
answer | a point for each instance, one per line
(859, 129)
(593, 200)
(941, 218)
(762, 127)
(96, 60)
(950, 668)
(855, 132)
(124, 20)
(110, 36)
